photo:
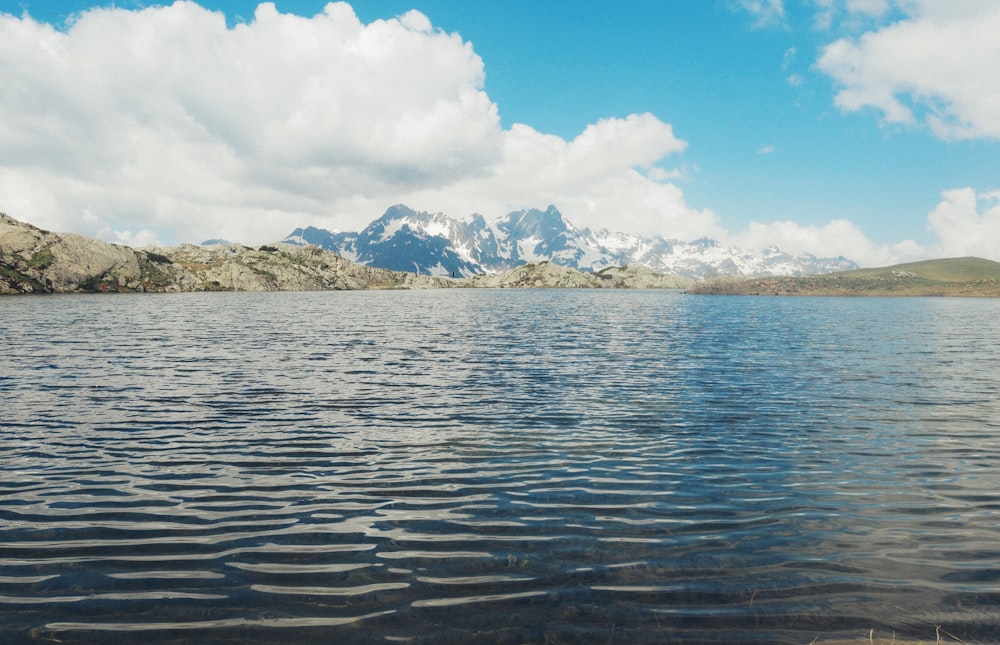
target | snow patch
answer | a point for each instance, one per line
(437, 229)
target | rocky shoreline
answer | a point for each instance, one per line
(33, 260)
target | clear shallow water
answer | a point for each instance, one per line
(498, 466)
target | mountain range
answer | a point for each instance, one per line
(403, 239)
(33, 260)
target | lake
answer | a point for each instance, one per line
(498, 466)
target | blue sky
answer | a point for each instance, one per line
(763, 131)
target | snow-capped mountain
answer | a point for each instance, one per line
(436, 244)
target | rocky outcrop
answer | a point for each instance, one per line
(537, 275)
(550, 275)
(637, 276)
(36, 261)
(281, 267)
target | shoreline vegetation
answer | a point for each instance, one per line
(35, 261)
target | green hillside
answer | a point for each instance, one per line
(947, 270)
(946, 277)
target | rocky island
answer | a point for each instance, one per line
(33, 260)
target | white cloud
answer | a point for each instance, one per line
(961, 228)
(604, 178)
(767, 13)
(166, 125)
(793, 79)
(165, 117)
(788, 58)
(416, 21)
(164, 122)
(935, 67)
(853, 15)
(823, 19)
(837, 238)
(868, 7)
(964, 223)
(765, 150)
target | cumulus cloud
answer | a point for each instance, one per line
(605, 177)
(837, 238)
(165, 117)
(962, 228)
(934, 67)
(964, 223)
(165, 124)
(133, 124)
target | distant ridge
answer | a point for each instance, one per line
(403, 239)
(967, 276)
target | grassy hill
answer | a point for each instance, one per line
(947, 277)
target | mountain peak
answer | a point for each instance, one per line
(531, 221)
(436, 244)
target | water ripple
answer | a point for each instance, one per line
(497, 466)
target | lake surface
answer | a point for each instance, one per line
(498, 466)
